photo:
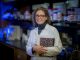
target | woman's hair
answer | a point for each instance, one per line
(46, 14)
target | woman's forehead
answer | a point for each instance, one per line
(40, 12)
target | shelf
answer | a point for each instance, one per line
(27, 24)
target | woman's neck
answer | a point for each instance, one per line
(41, 27)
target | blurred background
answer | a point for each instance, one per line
(16, 22)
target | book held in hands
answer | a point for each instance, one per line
(47, 42)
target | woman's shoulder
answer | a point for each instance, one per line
(33, 30)
(51, 27)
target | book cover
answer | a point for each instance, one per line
(47, 42)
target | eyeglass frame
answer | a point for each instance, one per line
(40, 15)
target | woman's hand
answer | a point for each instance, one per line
(39, 49)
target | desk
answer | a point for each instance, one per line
(13, 50)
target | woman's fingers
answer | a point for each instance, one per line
(39, 49)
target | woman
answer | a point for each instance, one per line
(43, 31)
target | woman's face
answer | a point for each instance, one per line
(40, 17)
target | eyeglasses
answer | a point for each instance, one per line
(40, 15)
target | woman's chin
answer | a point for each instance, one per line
(40, 22)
